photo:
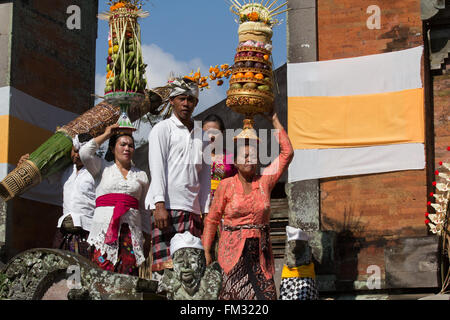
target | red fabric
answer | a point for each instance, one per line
(121, 203)
(127, 260)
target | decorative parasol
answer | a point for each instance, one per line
(438, 221)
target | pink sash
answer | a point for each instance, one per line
(121, 203)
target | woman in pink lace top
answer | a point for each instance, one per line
(243, 201)
(222, 161)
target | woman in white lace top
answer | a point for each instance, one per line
(119, 218)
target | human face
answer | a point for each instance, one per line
(75, 156)
(124, 150)
(247, 160)
(212, 128)
(183, 106)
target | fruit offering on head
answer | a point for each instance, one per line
(251, 85)
(125, 66)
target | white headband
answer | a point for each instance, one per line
(184, 240)
(77, 144)
(296, 234)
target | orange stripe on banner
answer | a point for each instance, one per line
(4, 134)
(356, 121)
(18, 137)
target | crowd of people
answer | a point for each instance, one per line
(113, 214)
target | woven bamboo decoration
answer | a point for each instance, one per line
(54, 154)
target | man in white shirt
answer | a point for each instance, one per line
(180, 178)
(78, 202)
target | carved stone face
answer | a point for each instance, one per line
(298, 253)
(189, 265)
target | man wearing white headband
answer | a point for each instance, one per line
(184, 87)
(298, 276)
(78, 201)
(180, 178)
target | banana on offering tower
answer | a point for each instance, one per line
(124, 65)
(126, 85)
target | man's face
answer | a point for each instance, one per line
(75, 156)
(189, 265)
(183, 106)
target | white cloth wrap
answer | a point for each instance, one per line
(179, 87)
(296, 234)
(184, 240)
(77, 144)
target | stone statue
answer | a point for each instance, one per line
(298, 276)
(190, 279)
(50, 274)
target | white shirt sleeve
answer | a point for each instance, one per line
(91, 161)
(205, 186)
(145, 214)
(157, 157)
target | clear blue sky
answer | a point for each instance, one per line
(182, 35)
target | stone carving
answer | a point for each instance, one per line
(39, 273)
(298, 253)
(190, 278)
(298, 277)
(430, 8)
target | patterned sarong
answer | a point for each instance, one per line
(74, 242)
(246, 281)
(126, 263)
(298, 289)
(180, 221)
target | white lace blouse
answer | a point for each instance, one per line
(109, 179)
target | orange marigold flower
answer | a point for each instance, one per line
(189, 78)
(253, 16)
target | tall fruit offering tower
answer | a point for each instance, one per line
(251, 84)
(125, 79)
